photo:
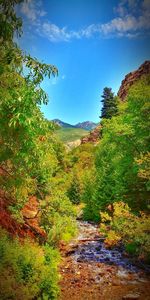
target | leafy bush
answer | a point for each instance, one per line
(30, 159)
(58, 217)
(132, 229)
(27, 270)
(122, 156)
(74, 191)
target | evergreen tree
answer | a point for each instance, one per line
(74, 192)
(109, 101)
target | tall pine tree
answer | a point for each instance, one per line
(109, 101)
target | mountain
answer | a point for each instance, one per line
(63, 124)
(87, 125)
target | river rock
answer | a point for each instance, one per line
(131, 296)
(122, 274)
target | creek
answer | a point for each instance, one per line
(91, 271)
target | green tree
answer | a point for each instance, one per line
(74, 191)
(24, 131)
(122, 157)
(109, 101)
(30, 158)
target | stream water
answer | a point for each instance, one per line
(91, 271)
(95, 250)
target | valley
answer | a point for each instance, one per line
(67, 135)
(74, 198)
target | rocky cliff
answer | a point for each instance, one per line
(131, 78)
(30, 215)
(93, 137)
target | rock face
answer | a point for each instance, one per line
(93, 137)
(31, 217)
(131, 78)
(30, 227)
(72, 145)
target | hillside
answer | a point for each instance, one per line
(71, 134)
(74, 210)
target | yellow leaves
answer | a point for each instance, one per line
(105, 217)
(103, 228)
(112, 238)
(120, 209)
(144, 166)
(128, 227)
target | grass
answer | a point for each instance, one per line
(71, 134)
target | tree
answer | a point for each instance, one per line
(74, 191)
(30, 158)
(109, 101)
(122, 156)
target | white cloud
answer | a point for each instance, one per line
(54, 33)
(120, 25)
(32, 10)
(131, 20)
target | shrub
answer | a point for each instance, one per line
(132, 229)
(27, 270)
(58, 217)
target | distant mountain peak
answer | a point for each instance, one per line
(62, 124)
(87, 125)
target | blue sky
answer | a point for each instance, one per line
(93, 43)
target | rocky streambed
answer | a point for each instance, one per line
(91, 272)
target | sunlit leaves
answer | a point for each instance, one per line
(122, 160)
(123, 225)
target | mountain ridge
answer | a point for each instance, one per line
(87, 125)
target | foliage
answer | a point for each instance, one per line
(91, 208)
(32, 161)
(24, 131)
(132, 229)
(58, 217)
(67, 135)
(27, 270)
(122, 157)
(80, 161)
(109, 101)
(74, 191)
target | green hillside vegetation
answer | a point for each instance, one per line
(111, 179)
(70, 134)
(33, 164)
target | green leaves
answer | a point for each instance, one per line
(28, 271)
(122, 157)
(38, 70)
(110, 102)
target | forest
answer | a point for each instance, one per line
(105, 183)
